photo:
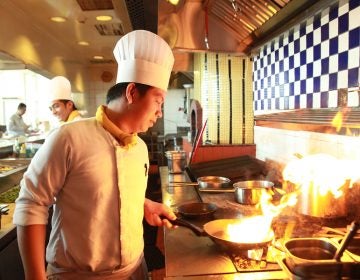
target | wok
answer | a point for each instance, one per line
(216, 230)
(196, 210)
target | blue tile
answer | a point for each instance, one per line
(291, 35)
(286, 77)
(317, 52)
(309, 101)
(302, 86)
(262, 62)
(317, 21)
(272, 69)
(272, 46)
(309, 39)
(281, 65)
(265, 50)
(353, 4)
(258, 75)
(265, 72)
(354, 38)
(265, 93)
(277, 103)
(286, 51)
(268, 59)
(353, 77)
(276, 79)
(333, 13)
(272, 92)
(316, 84)
(334, 47)
(297, 45)
(343, 24)
(324, 99)
(324, 32)
(262, 83)
(309, 70)
(291, 62)
(291, 89)
(269, 106)
(303, 57)
(343, 61)
(281, 40)
(262, 105)
(297, 102)
(333, 81)
(325, 66)
(269, 82)
(256, 106)
(297, 73)
(302, 28)
(277, 55)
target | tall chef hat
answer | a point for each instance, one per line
(144, 57)
(59, 88)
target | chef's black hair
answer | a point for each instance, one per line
(118, 90)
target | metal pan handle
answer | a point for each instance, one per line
(181, 222)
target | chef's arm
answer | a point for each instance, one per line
(158, 214)
(31, 240)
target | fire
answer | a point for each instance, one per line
(258, 228)
(321, 172)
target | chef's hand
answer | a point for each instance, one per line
(158, 214)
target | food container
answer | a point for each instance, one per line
(249, 192)
(176, 161)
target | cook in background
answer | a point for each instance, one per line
(94, 172)
(16, 125)
(62, 105)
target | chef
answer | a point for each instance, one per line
(61, 103)
(94, 172)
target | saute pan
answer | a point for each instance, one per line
(216, 230)
(197, 210)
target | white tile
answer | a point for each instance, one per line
(291, 75)
(281, 78)
(297, 88)
(324, 83)
(317, 36)
(354, 58)
(333, 63)
(309, 85)
(303, 72)
(281, 53)
(343, 7)
(297, 60)
(353, 99)
(344, 42)
(324, 16)
(291, 102)
(317, 68)
(296, 32)
(333, 28)
(291, 48)
(343, 79)
(325, 51)
(303, 101)
(354, 16)
(332, 102)
(309, 55)
(302, 43)
(316, 100)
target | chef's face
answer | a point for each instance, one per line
(61, 109)
(148, 106)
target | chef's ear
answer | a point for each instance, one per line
(130, 92)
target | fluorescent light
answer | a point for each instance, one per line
(98, 57)
(58, 19)
(83, 43)
(104, 18)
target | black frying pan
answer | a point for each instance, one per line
(216, 230)
(197, 210)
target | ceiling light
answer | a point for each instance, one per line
(58, 19)
(98, 57)
(174, 2)
(104, 18)
(83, 43)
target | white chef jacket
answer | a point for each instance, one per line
(16, 125)
(98, 191)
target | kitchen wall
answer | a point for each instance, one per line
(303, 68)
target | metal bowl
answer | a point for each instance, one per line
(249, 192)
(213, 182)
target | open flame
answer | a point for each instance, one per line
(257, 229)
(321, 172)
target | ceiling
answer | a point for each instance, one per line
(229, 25)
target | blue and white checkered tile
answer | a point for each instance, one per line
(305, 66)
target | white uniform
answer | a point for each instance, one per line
(97, 188)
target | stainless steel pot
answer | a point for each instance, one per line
(213, 182)
(249, 192)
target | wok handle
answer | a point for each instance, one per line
(181, 222)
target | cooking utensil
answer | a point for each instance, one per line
(213, 182)
(217, 231)
(346, 240)
(197, 142)
(197, 210)
(249, 192)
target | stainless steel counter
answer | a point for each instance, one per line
(188, 256)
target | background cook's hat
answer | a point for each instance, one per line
(144, 57)
(59, 88)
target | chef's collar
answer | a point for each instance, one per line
(126, 139)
